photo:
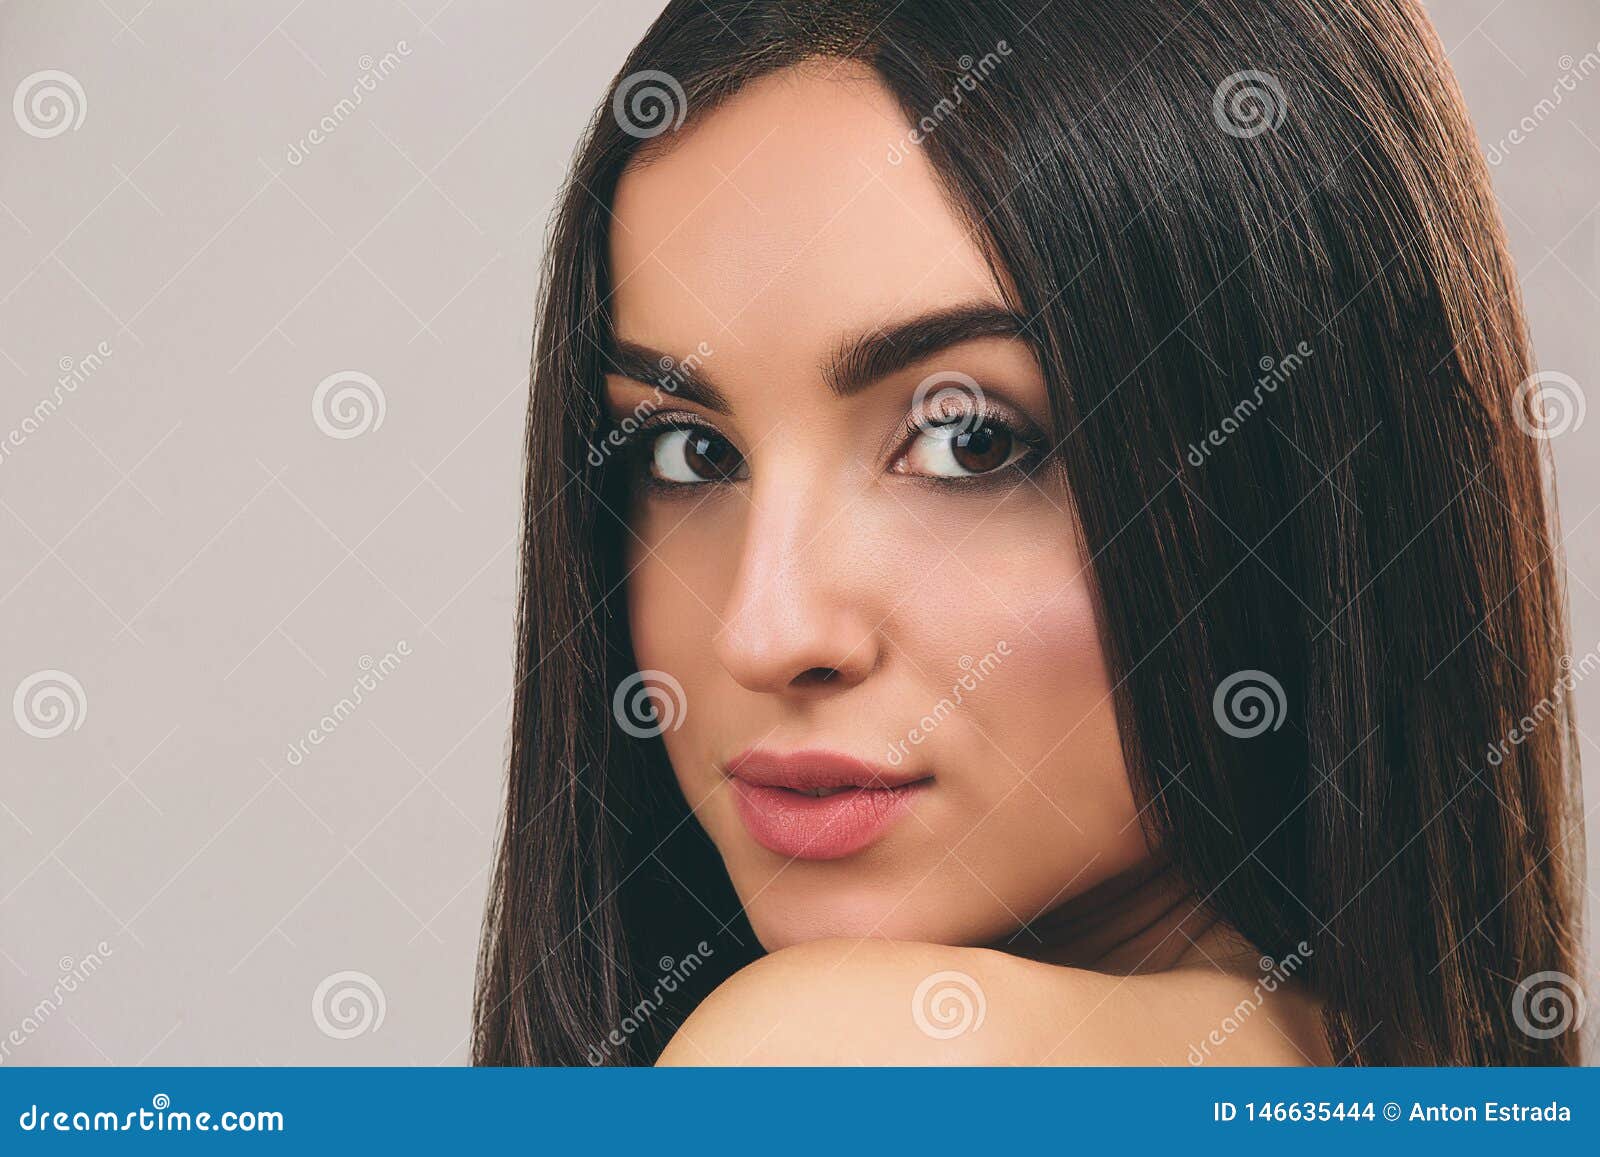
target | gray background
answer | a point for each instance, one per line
(183, 539)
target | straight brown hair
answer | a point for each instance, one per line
(1178, 195)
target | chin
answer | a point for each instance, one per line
(793, 910)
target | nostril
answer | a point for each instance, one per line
(816, 676)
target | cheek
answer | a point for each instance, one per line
(1041, 761)
(677, 575)
(1042, 690)
(678, 569)
(1009, 580)
(1056, 710)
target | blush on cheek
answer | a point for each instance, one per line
(1048, 704)
(1058, 812)
(1080, 766)
(1059, 650)
(1031, 608)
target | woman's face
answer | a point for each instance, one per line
(895, 716)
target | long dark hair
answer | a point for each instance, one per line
(1265, 280)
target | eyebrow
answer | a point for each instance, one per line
(651, 367)
(857, 363)
(871, 357)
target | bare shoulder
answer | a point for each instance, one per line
(850, 1002)
(879, 1002)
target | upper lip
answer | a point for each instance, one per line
(809, 770)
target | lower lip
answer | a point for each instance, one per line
(826, 827)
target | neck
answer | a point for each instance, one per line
(1144, 920)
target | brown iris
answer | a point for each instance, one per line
(710, 455)
(981, 450)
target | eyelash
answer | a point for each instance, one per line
(977, 417)
(640, 446)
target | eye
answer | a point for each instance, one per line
(964, 447)
(691, 455)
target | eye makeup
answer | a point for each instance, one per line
(970, 441)
(973, 441)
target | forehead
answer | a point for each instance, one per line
(778, 222)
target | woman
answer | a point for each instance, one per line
(1033, 554)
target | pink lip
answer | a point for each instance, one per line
(768, 787)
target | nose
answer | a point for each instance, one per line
(799, 620)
